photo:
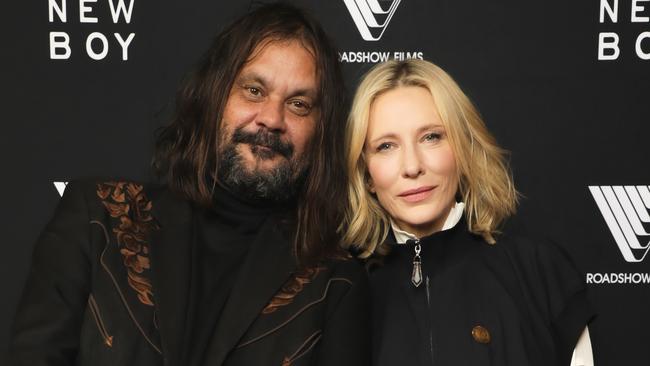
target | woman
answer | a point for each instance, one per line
(429, 188)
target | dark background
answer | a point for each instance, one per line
(531, 67)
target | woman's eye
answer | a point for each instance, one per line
(432, 137)
(254, 91)
(384, 146)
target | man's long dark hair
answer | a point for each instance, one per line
(187, 152)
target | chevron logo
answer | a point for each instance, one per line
(371, 16)
(60, 187)
(625, 210)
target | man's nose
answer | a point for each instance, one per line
(271, 115)
(411, 162)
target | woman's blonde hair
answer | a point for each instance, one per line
(485, 181)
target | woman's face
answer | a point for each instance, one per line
(411, 164)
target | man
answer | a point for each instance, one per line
(234, 261)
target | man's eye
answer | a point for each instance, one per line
(300, 107)
(299, 104)
(254, 91)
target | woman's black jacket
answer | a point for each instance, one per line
(517, 302)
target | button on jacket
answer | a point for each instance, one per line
(111, 280)
(518, 302)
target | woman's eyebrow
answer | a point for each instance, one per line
(381, 137)
(430, 127)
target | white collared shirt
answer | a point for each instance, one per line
(453, 217)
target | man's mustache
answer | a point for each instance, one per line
(264, 138)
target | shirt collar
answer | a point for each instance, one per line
(453, 217)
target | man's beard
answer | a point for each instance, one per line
(279, 184)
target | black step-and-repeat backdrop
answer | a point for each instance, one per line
(564, 85)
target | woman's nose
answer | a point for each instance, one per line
(411, 163)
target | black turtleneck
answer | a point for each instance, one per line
(222, 236)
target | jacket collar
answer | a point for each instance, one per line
(268, 265)
(453, 217)
(171, 255)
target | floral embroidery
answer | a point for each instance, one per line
(291, 288)
(127, 202)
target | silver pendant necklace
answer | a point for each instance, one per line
(416, 275)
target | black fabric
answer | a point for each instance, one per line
(525, 292)
(222, 235)
(90, 301)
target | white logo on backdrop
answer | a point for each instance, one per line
(97, 44)
(370, 17)
(60, 187)
(609, 42)
(625, 210)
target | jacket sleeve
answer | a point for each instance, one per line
(563, 295)
(346, 337)
(47, 324)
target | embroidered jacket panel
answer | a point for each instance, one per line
(110, 284)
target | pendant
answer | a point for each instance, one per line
(416, 275)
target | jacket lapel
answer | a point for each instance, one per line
(171, 254)
(267, 266)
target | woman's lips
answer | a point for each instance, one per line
(417, 195)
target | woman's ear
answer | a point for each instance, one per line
(370, 185)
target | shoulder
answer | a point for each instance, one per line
(340, 278)
(539, 260)
(102, 187)
(536, 252)
(103, 193)
(552, 280)
(329, 284)
(332, 278)
(349, 269)
(346, 288)
(547, 271)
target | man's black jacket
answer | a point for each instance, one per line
(110, 279)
